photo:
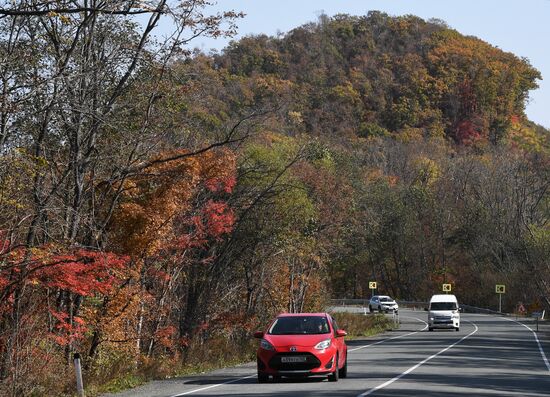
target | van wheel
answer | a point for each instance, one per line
(370, 309)
(457, 329)
(262, 378)
(430, 329)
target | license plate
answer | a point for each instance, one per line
(294, 359)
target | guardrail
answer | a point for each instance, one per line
(414, 305)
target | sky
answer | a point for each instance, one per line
(518, 26)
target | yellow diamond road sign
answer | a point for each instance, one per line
(446, 287)
(500, 289)
(372, 284)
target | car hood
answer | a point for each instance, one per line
(296, 340)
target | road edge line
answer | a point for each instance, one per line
(541, 350)
(212, 386)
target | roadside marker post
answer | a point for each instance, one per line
(500, 289)
(447, 288)
(538, 316)
(78, 373)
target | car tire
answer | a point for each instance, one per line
(276, 378)
(343, 372)
(430, 329)
(457, 329)
(333, 377)
(370, 309)
(262, 378)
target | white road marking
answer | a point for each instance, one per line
(213, 386)
(541, 350)
(254, 375)
(389, 382)
(395, 337)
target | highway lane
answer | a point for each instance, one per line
(490, 356)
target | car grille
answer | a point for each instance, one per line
(443, 319)
(310, 363)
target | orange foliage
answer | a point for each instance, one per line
(155, 200)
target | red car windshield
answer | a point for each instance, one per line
(300, 325)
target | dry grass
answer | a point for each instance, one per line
(358, 325)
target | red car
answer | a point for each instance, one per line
(302, 344)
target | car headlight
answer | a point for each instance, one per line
(456, 315)
(323, 345)
(266, 345)
(431, 319)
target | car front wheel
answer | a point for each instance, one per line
(343, 372)
(262, 378)
(333, 377)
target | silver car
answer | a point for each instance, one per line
(382, 303)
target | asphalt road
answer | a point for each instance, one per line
(489, 356)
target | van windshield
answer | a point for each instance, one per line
(443, 306)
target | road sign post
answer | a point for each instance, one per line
(500, 289)
(372, 286)
(447, 288)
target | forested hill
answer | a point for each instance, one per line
(379, 75)
(158, 205)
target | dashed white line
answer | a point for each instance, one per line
(541, 350)
(395, 337)
(389, 382)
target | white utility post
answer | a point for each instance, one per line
(78, 373)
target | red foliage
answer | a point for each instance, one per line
(219, 218)
(82, 272)
(67, 332)
(165, 335)
(467, 133)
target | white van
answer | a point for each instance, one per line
(443, 312)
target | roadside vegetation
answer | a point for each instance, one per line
(158, 205)
(359, 325)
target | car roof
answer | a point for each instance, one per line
(443, 298)
(302, 314)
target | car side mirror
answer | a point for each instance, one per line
(341, 333)
(460, 309)
(258, 334)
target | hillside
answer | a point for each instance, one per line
(378, 75)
